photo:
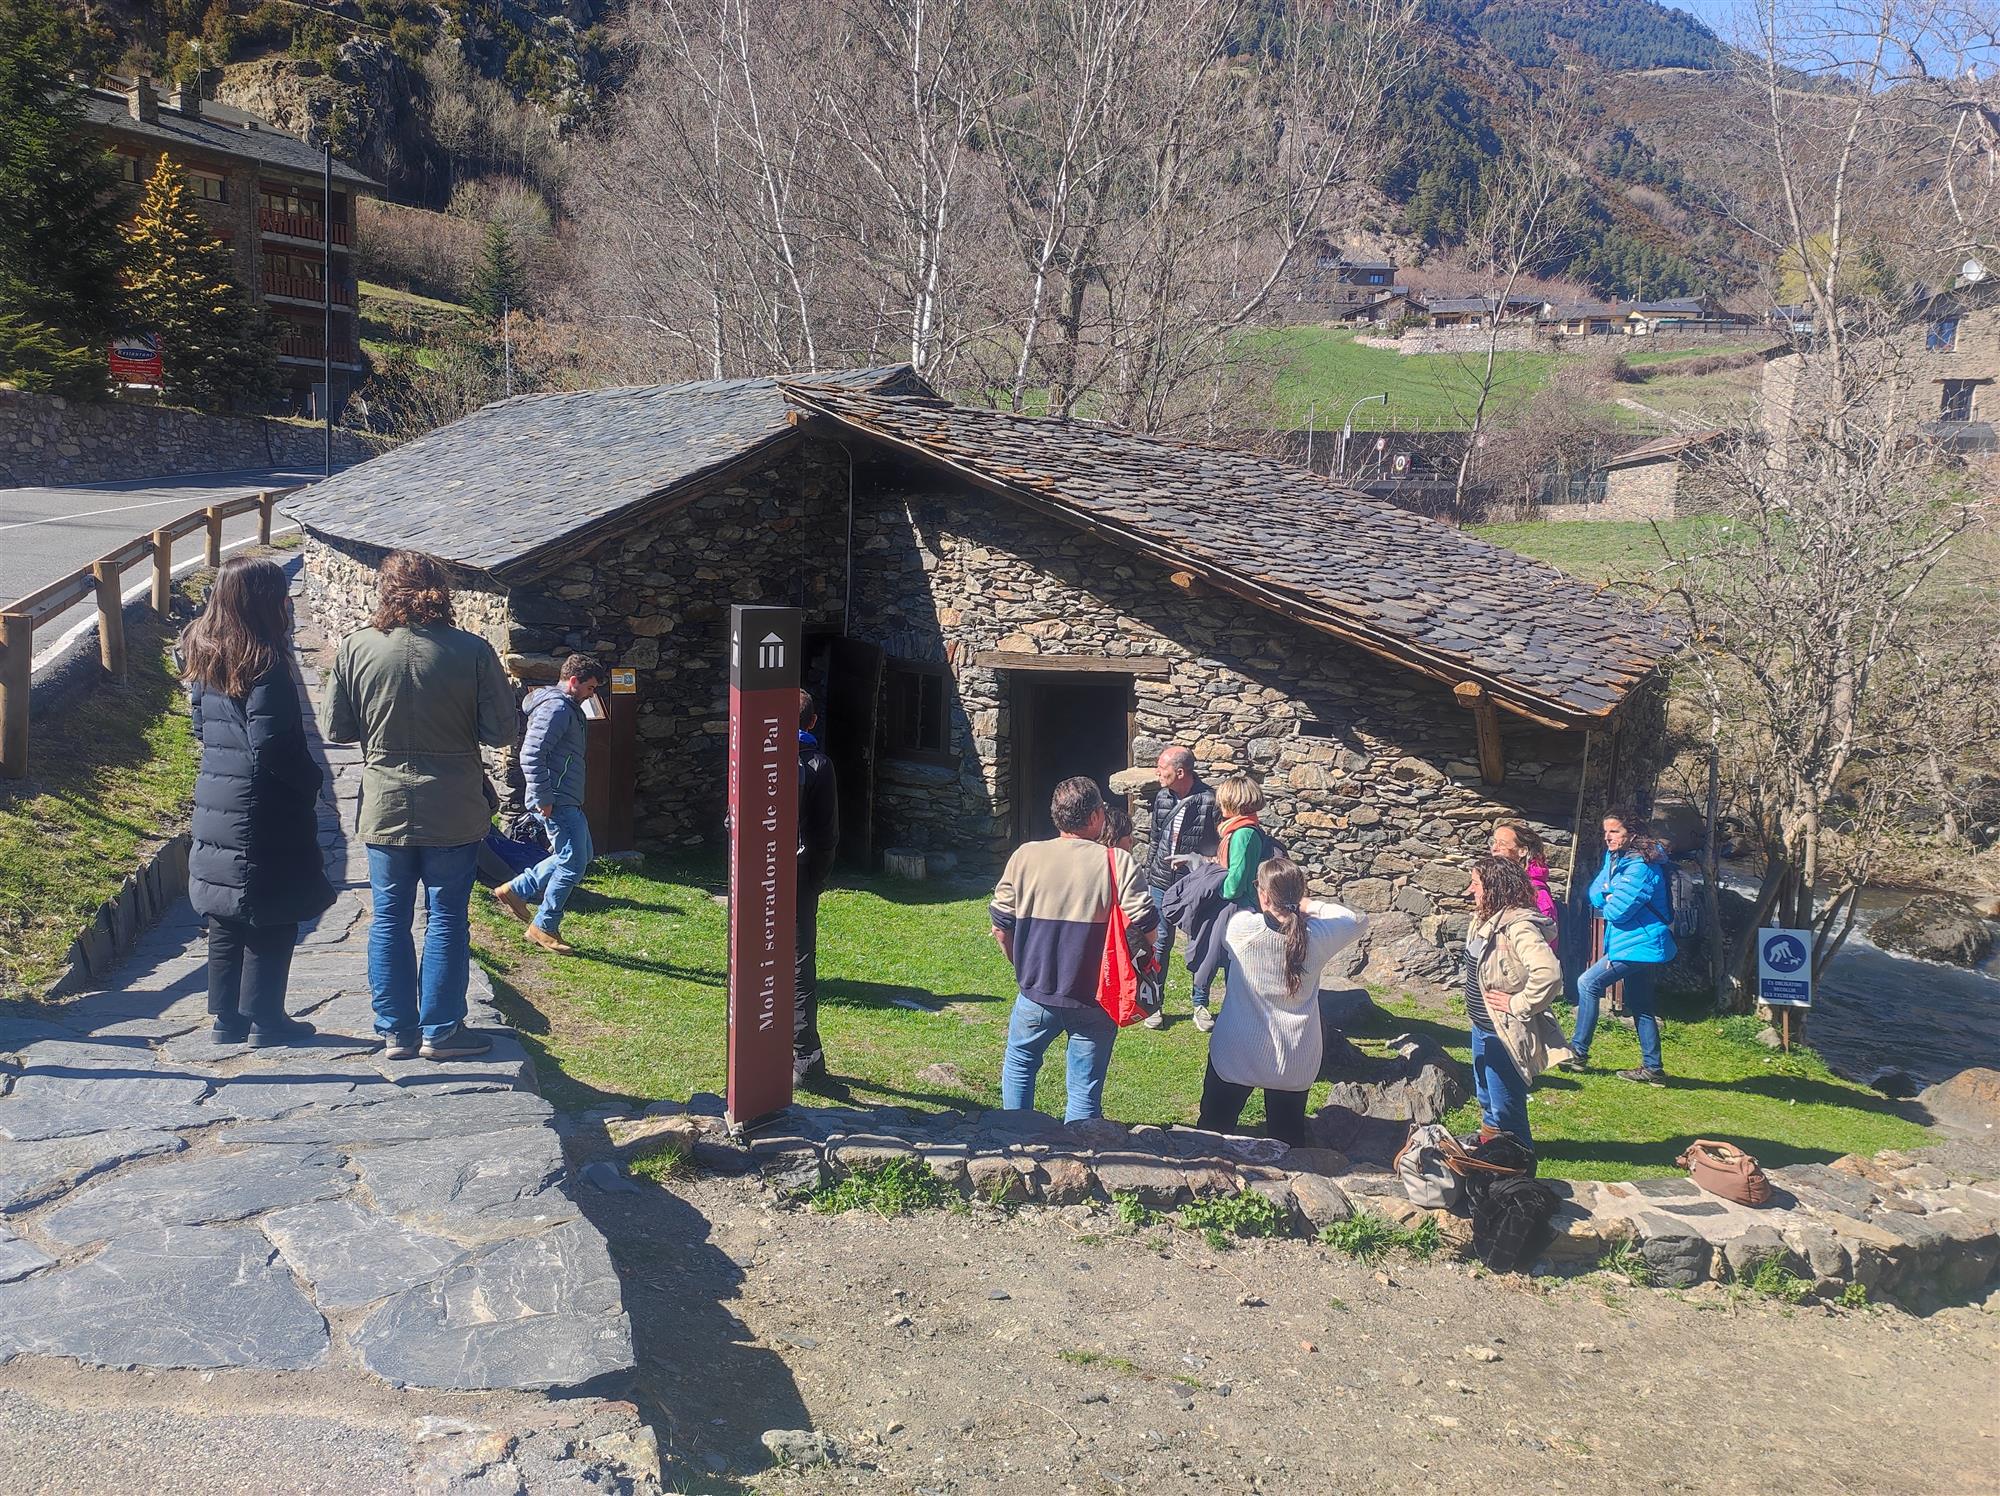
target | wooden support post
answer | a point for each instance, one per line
(17, 678)
(1486, 724)
(212, 553)
(110, 619)
(163, 572)
(1785, 1029)
(265, 502)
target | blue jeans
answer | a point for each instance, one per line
(1163, 943)
(1639, 978)
(1499, 1084)
(446, 874)
(549, 881)
(1030, 1030)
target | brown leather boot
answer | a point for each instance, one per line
(554, 944)
(513, 903)
(1487, 1134)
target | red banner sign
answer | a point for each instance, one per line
(136, 359)
(763, 857)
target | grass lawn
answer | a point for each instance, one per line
(638, 1016)
(1596, 550)
(109, 774)
(372, 291)
(1432, 390)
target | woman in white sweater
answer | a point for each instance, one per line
(1268, 1033)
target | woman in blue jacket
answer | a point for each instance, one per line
(1632, 894)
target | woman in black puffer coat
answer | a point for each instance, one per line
(256, 868)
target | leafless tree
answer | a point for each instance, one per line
(1527, 219)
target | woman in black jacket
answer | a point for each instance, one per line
(255, 869)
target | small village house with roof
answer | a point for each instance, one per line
(1650, 481)
(994, 602)
(263, 193)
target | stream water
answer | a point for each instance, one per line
(1876, 1010)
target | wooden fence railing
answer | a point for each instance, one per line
(100, 580)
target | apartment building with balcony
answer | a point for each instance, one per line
(264, 194)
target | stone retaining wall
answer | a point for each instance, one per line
(1904, 1230)
(159, 883)
(47, 440)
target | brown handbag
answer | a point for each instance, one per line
(1726, 1170)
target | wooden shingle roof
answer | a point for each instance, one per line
(1416, 591)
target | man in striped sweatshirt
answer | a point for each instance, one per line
(1050, 914)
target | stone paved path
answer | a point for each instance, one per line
(169, 1204)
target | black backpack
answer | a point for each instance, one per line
(1510, 1222)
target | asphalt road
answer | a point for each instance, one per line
(46, 532)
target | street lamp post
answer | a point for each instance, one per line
(1347, 427)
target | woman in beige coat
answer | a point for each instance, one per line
(1511, 978)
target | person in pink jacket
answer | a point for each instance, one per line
(1518, 843)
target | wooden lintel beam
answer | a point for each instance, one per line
(1187, 581)
(1486, 725)
(1007, 659)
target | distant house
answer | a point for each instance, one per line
(1947, 370)
(1686, 314)
(263, 193)
(1345, 285)
(995, 602)
(1398, 303)
(1796, 321)
(1474, 311)
(1649, 483)
(1581, 319)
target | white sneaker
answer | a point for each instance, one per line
(1156, 1019)
(1202, 1020)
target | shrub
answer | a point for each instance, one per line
(1854, 1296)
(671, 1160)
(902, 1186)
(1627, 1261)
(1363, 1235)
(1133, 1212)
(1774, 1280)
(1245, 1213)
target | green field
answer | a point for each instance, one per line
(914, 1005)
(1324, 370)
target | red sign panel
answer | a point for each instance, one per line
(763, 857)
(136, 359)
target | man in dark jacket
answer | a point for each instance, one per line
(552, 753)
(819, 835)
(1184, 821)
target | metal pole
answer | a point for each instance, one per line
(506, 345)
(326, 311)
(1347, 426)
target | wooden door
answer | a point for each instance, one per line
(853, 707)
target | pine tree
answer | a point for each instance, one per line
(500, 282)
(61, 255)
(216, 346)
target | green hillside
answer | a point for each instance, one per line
(1327, 369)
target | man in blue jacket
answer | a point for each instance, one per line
(552, 750)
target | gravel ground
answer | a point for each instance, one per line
(1045, 1353)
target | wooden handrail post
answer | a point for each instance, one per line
(110, 619)
(212, 553)
(163, 572)
(266, 501)
(17, 679)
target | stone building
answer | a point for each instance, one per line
(1940, 367)
(995, 602)
(1652, 481)
(263, 193)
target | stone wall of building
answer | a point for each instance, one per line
(1370, 771)
(341, 584)
(656, 598)
(45, 439)
(1646, 490)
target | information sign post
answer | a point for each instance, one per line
(1784, 975)
(763, 857)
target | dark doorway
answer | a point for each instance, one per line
(845, 677)
(1065, 724)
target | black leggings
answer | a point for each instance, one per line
(248, 966)
(1222, 1105)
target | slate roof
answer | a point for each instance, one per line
(515, 486)
(1664, 446)
(1423, 593)
(523, 480)
(218, 131)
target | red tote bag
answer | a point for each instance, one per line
(1117, 977)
